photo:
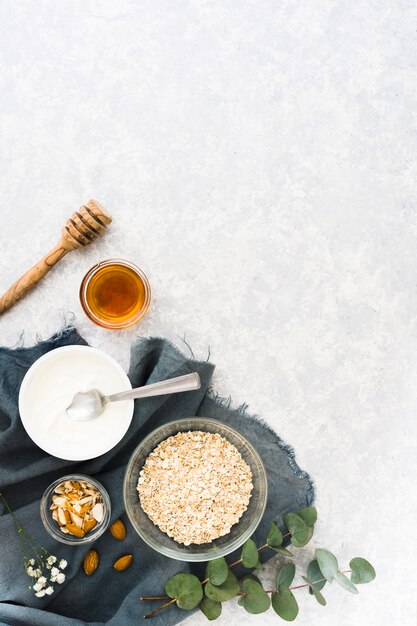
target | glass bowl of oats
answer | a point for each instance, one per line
(195, 489)
(75, 509)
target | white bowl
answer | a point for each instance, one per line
(48, 389)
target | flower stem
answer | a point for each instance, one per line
(14, 518)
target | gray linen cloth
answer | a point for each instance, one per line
(109, 597)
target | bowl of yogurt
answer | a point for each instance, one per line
(48, 389)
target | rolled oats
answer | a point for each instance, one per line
(195, 486)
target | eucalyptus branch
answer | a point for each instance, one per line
(220, 583)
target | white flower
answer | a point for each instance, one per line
(63, 564)
(30, 571)
(38, 572)
(49, 590)
(54, 571)
(40, 593)
(51, 559)
(41, 580)
(60, 578)
(37, 587)
(31, 561)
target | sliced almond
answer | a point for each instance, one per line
(74, 530)
(59, 500)
(89, 525)
(62, 520)
(86, 500)
(98, 512)
(77, 520)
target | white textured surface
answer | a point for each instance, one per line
(259, 159)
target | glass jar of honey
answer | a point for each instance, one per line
(115, 294)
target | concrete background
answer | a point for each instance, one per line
(259, 160)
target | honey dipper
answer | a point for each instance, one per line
(81, 229)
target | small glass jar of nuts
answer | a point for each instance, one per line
(75, 509)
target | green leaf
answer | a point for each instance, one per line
(286, 575)
(308, 515)
(314, 591)
(250, 554)
(296, 526)
(283, 551)
(211, 609)
(217, 571)
(362, 571)
(299, 544)
(223, 592)
(315, 575)
(284, 603)
(274, 539)
(327, 563)
(256, 599)
(345, 582)
(186, 589)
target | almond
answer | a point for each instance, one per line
(78, 521)
(62, 519)
(90, 562)
(123, 563)
(118, 530)
(98, 512)
(74, 530)
(89, 525)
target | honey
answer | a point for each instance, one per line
(115, 294)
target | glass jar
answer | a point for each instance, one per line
(115, 294)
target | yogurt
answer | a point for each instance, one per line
(48, 389)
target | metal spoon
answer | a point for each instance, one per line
(89, 404)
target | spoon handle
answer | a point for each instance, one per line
(188, 382)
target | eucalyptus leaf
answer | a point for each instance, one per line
(285, 575)
(315, 575)
(308, 515)
(284, 604)
(314, 591)
(362, 571)
(327, 563)
(299, 544)
(274, 539)
(211, 609)
(250, 577)
(345, 582)
(223, 592)
(283, 551)
(296, 526)
(250, 554)
(256, 599)
(217, 571)
(186, 589)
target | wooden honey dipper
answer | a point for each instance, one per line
(81, 229)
